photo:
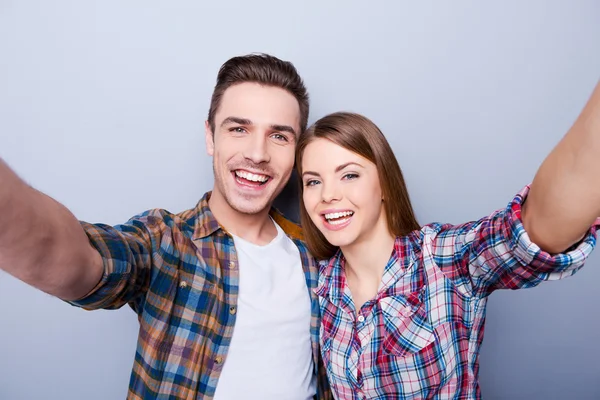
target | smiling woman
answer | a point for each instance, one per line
(403, 306)
(346, 146)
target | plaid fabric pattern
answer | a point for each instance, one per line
(180, 273)
(420, 337)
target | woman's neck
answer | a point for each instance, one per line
(365, 262)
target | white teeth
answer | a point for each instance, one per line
(251, 177)
(338, 221)
(336, 215)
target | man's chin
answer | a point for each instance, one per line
(250, 206)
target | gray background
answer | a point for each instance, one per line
(102, 106)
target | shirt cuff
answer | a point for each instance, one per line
(104, 239)
(529, 253)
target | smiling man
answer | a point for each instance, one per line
(223, 291)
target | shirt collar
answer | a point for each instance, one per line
(206, 224)
(332, 280)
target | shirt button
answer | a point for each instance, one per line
(218, 360)
(231, 264)
(232, 310)
(361, 318)
(183, 284)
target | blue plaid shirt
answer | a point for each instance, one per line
(180, 273)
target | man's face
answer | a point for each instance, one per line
(253, 145)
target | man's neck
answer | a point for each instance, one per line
(256, 228)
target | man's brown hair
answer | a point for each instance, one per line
(263, 69)
(361, 136)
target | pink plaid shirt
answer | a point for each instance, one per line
(420, 337)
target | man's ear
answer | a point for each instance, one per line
(209, 138)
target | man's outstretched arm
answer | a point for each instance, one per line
(42, 243)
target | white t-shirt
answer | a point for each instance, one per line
(270, 355)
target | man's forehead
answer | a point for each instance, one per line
(262, 105)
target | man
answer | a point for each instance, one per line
(223, 291)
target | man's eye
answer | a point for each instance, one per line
(237, 129)
(279, 136)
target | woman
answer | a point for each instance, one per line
(403, 306)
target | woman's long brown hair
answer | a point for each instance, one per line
(360, 135)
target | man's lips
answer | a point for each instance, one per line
(250, 179)
(252, 176)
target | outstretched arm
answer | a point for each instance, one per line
(564, 199)
(42, 243)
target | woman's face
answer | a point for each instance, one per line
(342, 193)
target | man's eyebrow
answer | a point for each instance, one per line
(236, 120)
(246, 121)
(338, 168)
(283, 128)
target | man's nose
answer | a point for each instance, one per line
(257, 149)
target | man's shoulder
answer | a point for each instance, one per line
(292, 229)
(198, 220)
(160, 219)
